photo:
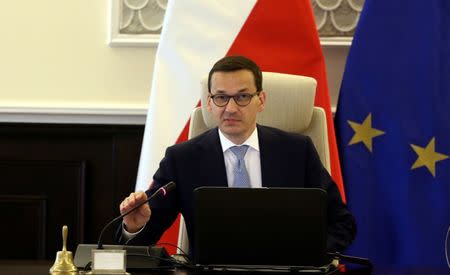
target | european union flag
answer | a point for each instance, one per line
(393, 123)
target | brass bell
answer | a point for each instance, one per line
(64, 259)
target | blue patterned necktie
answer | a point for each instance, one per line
(241, 178)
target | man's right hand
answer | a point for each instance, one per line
(139, 217)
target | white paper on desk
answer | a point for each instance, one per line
(111, 260)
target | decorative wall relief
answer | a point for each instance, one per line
(142, 16)
(337, 17)
(136, 23)
(139, 22)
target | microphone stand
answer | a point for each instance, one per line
(351, 259)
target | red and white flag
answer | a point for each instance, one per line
(280, 36)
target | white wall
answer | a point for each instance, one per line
(54, 59)
(55, 53)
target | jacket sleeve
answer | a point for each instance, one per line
(341, 223)
(164, 208)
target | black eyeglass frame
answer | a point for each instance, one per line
(234, 98)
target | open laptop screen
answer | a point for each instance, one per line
(260, 226)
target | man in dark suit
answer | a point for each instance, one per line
(271, 158)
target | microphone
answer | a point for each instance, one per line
(161, 191)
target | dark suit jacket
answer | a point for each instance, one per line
(287, 160)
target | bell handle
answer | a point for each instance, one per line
(64, 235)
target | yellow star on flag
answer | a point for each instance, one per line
(427, 157)
(364, 132)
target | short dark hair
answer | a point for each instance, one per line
(236, 63)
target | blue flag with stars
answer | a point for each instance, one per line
(393, 127)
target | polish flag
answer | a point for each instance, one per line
(280, 36)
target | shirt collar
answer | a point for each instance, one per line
(252, 141)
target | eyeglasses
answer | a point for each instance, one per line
(242, 99)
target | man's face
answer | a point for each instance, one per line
(236, 122)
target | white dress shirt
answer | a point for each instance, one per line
(251, 159)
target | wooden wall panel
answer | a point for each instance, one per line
(81, 172)
(24, 226)
(62, 183)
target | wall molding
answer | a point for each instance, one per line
(94, 114)
(336, 41)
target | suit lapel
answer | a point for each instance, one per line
(271, 160)
(212, 160)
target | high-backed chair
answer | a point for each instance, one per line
(289, 107)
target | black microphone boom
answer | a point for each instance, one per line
(162, 190)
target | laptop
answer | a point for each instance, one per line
(260, 226)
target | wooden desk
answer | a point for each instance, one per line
(30, 267)
(21, 267)
(15, 267)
